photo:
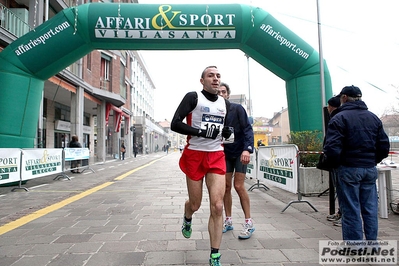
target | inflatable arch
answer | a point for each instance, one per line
(35, 57)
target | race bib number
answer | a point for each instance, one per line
(209, 122)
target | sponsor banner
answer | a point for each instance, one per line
(251, 167)
(10, 162)
(278, 166)
(48, 43)
(370, 252)
(72, 154)
(41, 162)
(171, 23)
(282, 45)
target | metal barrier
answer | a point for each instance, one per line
(279, 166)
(252, 172)
(21, 165)
(78, 159)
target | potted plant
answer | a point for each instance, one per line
(310, 145)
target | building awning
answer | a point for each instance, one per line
(119, 113)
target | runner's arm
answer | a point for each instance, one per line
(187, 105)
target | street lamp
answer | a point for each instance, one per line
(281, 125)
(249, 88)
(321, 62)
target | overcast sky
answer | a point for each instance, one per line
(360, 42)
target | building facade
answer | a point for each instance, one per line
(280, 126)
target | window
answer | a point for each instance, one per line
(88, 58)
(122, 81)
(62, 112)
(86, 119)
(105, 83)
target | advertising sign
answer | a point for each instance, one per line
(278, 166)
(10, 162)
(157, 23)
(72, 154)
(41, 162)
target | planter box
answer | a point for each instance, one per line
(312, 181)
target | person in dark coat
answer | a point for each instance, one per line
(237, 158)
(355, 143)
(332, 107)
(123, 150)
(135, 149)
(75, 144)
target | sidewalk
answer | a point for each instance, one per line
(130, 213)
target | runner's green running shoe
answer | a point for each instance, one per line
(186, 229)
(215, 259)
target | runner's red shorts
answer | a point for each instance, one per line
(195, 164)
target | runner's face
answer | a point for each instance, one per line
(223, 92)
(211, 80)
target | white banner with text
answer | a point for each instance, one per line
(278, 166)
(10, 165)
(41, 162)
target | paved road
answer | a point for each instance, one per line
(130, 213)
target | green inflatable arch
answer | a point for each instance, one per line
(30, 60)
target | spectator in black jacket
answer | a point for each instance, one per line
(237, 157)
(332, 107)
(355, 143)
(76, 163)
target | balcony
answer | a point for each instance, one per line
(14, 22)
(104, 85)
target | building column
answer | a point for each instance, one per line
(40, 126)
(129, 138)
(101, 132)
(77, 109)
(116, 136)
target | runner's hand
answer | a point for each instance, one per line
(210, 133)
(226, 132)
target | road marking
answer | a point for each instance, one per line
(42, 185)
(37, 214)
(136, 169)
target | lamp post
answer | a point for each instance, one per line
(249, 88)
(281, 128)
(321, 62)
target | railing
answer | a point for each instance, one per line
(104, 84)
(12, 23)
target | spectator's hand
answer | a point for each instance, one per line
(210, 133)
(226, 132)
(245, 157)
